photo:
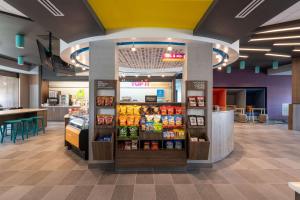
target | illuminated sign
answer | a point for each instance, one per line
(173, 57)
(140, 84)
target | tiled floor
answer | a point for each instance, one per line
(264, 160)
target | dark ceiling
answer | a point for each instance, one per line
(78, 22)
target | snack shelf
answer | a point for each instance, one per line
(105, 126)
(197, 127)
(196, 107)
(126, 139)
(107, 107)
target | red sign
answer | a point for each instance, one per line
(173, 57)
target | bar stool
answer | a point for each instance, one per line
(16, 128)
(27, 126)
(36, 124)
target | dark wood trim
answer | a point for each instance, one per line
(10, 74)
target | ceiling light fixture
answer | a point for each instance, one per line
(224, 64)
(73, 61)
(226, 49)
(296, 50)
(249, 8)
(287, 44)
(219, 68)
(226, 60)
(137, 75)
(169, 48)
(77, 57)
(149, 76)
(218, 46)
(275, 38)
(169, 38)
(163, 75)
(77, 65)
(278, 55)
(254, 49)
(133, 47)
(83, 68)
(243, 56)
(279, 30)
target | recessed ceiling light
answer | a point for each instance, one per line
(243, 56)
(279, 30)
(254, 49)
(133, 48)
(83, 68)
(163, 75)
(218, 46)
(169, 48)
(278, 55)
(296, 50)
(219, 68)
(137, 75)
(169, 38)
(73, 61)
(224, 64)
(275, 38)
(226, 60)
(77, 57)
(149, 76)
(77, 65)
(226, 49)
(287, 44)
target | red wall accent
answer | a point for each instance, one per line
(219, 97)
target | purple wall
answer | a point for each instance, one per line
(279, 88)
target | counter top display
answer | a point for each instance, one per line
(222, 134)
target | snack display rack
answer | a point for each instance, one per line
(150, 135)
(105, 119)
(196, 120)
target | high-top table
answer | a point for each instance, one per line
(22, 113)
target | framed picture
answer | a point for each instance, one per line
(193, 120)
(200, 121)
(200, 101)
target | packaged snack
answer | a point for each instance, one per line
(200, 101)
(154, 146)
(166, 134)
(143, 123)
(178, 120)
(155, 109)
(200, 120)
(134, 145)
(133, 131)
(192, 101)
(178, 145)
(146, 145)
(170, 110)
(157, 127)
(178, 110)
(193, 120)
(100, 120)
(127, 145)
(165, 120)
(130, 120)
(122, 120)
(169, 145)
(137, 120)
(129, 110)
(100, 101)
(109, 101)
(201, 140)
(171, 120)
(136, 110)
(194, 139)
(109, 119)
(157, 118)
(149, 126)
(144, 110)
(172, 134)
(123, 131)
(149, 118)
(123, 110)
(163, 110)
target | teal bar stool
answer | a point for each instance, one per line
(27, 126)
(36, 121)
(16, 129)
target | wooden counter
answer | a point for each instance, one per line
(22, 113)
(57, 113)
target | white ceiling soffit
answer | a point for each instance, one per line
(5, 7)
(290, 14)
(147, 58)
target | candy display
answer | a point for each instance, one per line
(104, 119)
(105, 101)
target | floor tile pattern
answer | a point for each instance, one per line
(265, 158)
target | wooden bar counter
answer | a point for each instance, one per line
(22, 113)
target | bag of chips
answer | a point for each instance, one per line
(123, 131)
(133, 131)
(171, 120)
(100, 120)
(144, 110)
(122, 120)
(178, 120)
(149, 118)
(157, 118)
(136, 110)
(178, 110)
(137, 119)
(157, 127)
(123, 110)
(109, 119)
(155, 109)
(165, 120)
(149, 126)
(170, 110)
(130, 120)
(130, 110)
(163, 110)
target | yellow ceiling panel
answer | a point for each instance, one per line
(182, 14)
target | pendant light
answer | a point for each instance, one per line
(257, 69)
(228, 70)
(275, 64)
(242, 65)
(20, 60)
(20, 41)
(133, 47)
